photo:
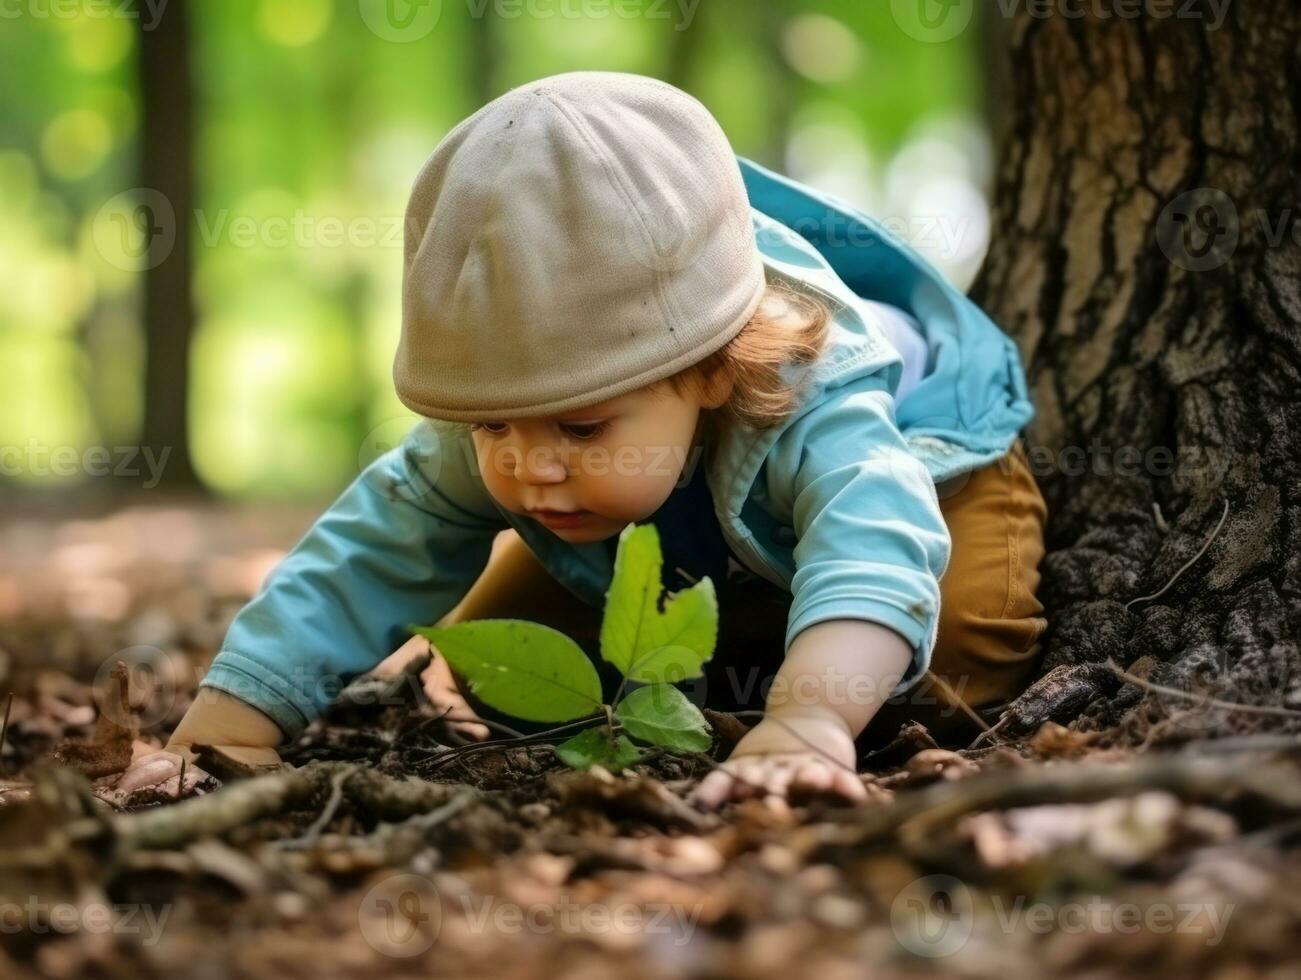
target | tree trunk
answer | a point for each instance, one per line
(1147, 258)
(166, 167)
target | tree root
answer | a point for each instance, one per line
(1186, 775)
(237, 804)
(1272, 710)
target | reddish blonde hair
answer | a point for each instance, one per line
(788, 327)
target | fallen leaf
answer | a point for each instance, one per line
(108, 750)
(635, 796)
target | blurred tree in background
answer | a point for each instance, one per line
(201, 203)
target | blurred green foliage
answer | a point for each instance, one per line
(310, 127)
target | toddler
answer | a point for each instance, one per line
(609, 318)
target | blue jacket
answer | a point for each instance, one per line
(837, 505)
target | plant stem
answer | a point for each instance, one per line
(457, 752)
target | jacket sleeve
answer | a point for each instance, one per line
(871, 541)
(401, 544)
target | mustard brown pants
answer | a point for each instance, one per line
(987, 643)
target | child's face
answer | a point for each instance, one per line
(614, 462)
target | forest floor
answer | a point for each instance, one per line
(385, 848)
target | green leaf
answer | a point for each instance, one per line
(662, 715)
(525, 669)
(593, 746)
(643, 643)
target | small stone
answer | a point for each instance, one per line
(534, 812)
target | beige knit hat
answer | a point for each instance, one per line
(576, 238)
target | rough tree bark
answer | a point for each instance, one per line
(1147, 258)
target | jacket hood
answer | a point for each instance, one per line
(973, 399)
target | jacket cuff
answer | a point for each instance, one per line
(850, 607)
(260, 686)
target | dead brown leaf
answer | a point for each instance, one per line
(634, 796)
(108, 750)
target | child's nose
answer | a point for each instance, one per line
(540, 464)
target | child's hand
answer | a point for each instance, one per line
(162, 768)
(773, 759)
(439, 684)
(447, 699)
(215, 718)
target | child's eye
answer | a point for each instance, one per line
(591, 430)
(586, 432)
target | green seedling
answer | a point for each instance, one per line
(539, 674)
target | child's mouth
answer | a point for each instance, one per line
(555, 518)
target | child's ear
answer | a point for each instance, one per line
(717, 388)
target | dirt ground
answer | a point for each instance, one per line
(1051, 847)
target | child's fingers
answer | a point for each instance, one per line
(778, 776)
(447, 699)
(462, 725)
(156, 769)
(149, 770)
(416, 646)
(812, 777)
(440, 686)
(752, 778)
(714, 788)
(849, 784)
(458, 714)
(817, 777)
(740, 779)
